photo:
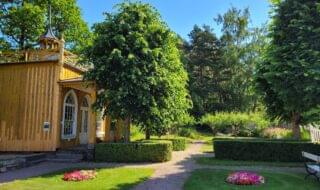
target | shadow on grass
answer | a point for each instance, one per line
(179, 173)
(116, 178)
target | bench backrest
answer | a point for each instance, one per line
(311, 156)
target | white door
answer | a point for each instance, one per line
(84, 121)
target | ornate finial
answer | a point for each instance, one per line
(48, 40)
(49, 34)
(49, 13)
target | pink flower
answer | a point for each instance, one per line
(79, 175)
(245, 178)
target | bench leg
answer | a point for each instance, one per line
(305, 178)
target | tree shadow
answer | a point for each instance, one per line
(170, 175)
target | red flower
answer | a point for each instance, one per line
(79, 175)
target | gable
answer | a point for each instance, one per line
(70, 72)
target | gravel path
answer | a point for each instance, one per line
(167, 176)
(172, 175)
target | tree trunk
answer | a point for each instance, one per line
(127, 123)
(295, 122)
(148, 133)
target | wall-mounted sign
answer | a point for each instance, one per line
(46, 126)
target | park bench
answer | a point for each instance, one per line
(312, 168)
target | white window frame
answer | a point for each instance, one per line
(74, 127)
(87, 98)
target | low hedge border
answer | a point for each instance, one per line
(178, 143)
(263, 150)
(134, 152)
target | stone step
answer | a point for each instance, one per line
(64, 160)
(65, 156)
(11, 162)
(68, 155)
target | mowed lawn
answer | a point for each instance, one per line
(107, 179)
(207, 179)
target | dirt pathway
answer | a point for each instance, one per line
(172, 175)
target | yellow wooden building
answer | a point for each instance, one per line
(45, 104)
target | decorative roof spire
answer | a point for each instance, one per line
(49, 34)
(49, 40)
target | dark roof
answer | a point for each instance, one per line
(49, 35)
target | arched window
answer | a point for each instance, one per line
(69, 123)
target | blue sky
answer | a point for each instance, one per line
(182, 15)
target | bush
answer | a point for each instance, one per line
(238, 124)
(276, 133)
(134, 152)
(178, 143)
(263, 150)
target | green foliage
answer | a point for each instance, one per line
(289, 76)
(22, 24)
(305, 133)
(263, 150)
(242, 48)
(178, 143)
(238, 124)
(206, 73)
(23, 21)
(159, 151)
(221, 70)
(186, 132)
(276, 133)
(216, 162)
(137, 68)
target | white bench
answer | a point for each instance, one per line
(312, 168)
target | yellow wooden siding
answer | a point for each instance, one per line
(27, 100)
(67, 73)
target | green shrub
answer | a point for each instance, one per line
(185, 132)
(134, 152)
(276, 133)
(238, 124)
(178, 143)
(305, 133)
(263, 150)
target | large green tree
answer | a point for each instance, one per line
(241, 47)
(23, 21)
(205, 70)
(289, 76)
(137, 68)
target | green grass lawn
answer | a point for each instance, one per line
(207, 179)
(208, 146)
(217, 162)
(113, 179)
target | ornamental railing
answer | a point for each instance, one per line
(37, 55)
(28, 56)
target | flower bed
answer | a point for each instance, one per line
(79, 175)
(245, 178)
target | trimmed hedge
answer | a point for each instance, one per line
(134, 152)
(178, 144)
(263, 150)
